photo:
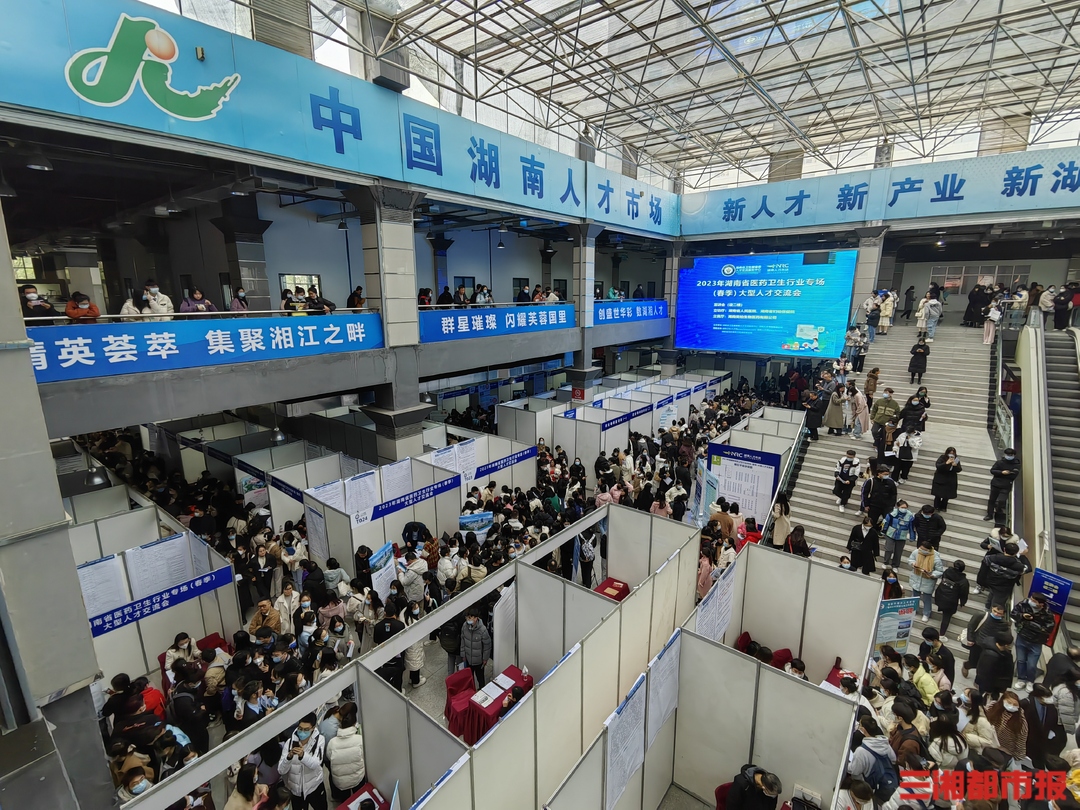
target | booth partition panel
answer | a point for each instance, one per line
(629, 561)
(778, 585)
(385, 717)
(98, 504)
(715, 716)
(564, 432)
(584, 786)
(665, 588)
(659, 766)
(668, 536)
(686, 593)
(434, 749)
(505, 761)
(540, 619)
(122, 651)
(855, 610)
(801, 733)
(84, 543)
(600, 685)
(558, 723)
(636, 611)
(129, 530)
(584, 610)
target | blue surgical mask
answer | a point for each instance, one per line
(303, 734)
(154, 290)
(140, 788)
(891, 580)
(241, 295)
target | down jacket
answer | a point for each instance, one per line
(345, 754)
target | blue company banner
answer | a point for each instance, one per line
(1016, 181)
(472, 322)
(663, 403)
(220, 455)
(62, 353)
(283, 486)
(597, 403)
(605, 312)
(569, 414)
(700, 387)
(792, 304)
(509, 461)
(414, 497)
(683, 394)
(126, 63)
(625, 417)
(250, 469)
(1057, 590)
(141, 608)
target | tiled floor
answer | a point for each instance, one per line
(678, 799)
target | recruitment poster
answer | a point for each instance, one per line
(1057, 590)
(747, 477)
(895, 617)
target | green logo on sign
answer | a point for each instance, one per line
(140, 52)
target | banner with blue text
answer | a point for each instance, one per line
(62, 353)
(605, 312)
(141, 608)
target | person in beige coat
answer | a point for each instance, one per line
(888, 305)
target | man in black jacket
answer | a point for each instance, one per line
(754, 788)
(1002, 476)
(999, 574)
(1034, 624)
(882, 496)
(1056, 668)
(460, 298)
(994, 671)
(929, 525)
(982, 632)
(393, 670)
(445, 298)
(932, 645)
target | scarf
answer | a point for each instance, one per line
(924, 564)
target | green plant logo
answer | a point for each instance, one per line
(141, 52)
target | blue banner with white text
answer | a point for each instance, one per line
(605, 312)
(62, 353)
(437, 325)
(141, 608)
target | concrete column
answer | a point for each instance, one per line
(245, 253)
(386, 227)
(668, 358)
(398, 433)
(866, 271)
(547, 253)
(46, 652)
(671, 281)
(584, 260)
(439, 247)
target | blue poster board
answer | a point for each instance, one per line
(1057, 590)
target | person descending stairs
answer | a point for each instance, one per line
(956, 381)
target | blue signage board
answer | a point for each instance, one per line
(62, 353)
(416, 496)
(438, 325)
(1015, 181)
(626, 417)
(619, 200)
(792, 304)
(1057, 589)
(484, 470)
(141, 608)
(570, 413)
(605, 312)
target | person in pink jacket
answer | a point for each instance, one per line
(704, 575)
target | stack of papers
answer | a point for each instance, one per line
(503, 680)
(493, 690)
(482, 698)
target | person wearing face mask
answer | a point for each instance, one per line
(891, 588)
(881, 496)
(979, 733)
(133, 783)
(34, 304)
(304, 607)
(1010, 725)
(197, 302)
(287, 603)
(1034, 624)
(1003, 475)
(999, 574)
(993, 674)
(944, 485)
(926, 569)
(898, 529)
(932, 311)
(183, 648)
(155, 302)
(884, 409)
(1046, 733)
(475, 645)
(1046, 302)
(414, 654)
(301, 765)
(239, 301)
(80, 309)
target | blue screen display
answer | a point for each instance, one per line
(776, 304)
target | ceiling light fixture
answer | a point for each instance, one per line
(171, 207)
(426, 398)
(5, 189)
(38, 162)
(503, 228)
(277, 436)
(342, 226)
(238, 189)
(500, 246)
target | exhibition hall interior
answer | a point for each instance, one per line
(539, 406)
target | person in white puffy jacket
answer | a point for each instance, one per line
(301, 764)
(414, 655)
(345, 755)
(411, 575)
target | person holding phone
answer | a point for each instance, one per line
(301, 765)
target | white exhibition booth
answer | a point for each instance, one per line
(528, 420)
(145, 578)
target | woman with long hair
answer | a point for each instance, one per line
(781, 526)
(979, 732)
(1011, 725)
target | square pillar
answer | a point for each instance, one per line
(866, 271)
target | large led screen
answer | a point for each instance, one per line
(778, 303)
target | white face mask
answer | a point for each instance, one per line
(1011, 707)
(31, 296)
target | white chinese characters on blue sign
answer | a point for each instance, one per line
(1016, 181)
(62, 353)
(457, 324)
(606, 312)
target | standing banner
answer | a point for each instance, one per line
(382, 570)
(479, 523)
(251, 485)
(1057, 590)
(894, 624)
(696, 513)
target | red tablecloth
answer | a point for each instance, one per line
(366, 791)
(478, 720)
(613, 589)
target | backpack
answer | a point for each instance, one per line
(586, 550)
(913, 734)
(882, 777)
(170, 705)
(907, 689)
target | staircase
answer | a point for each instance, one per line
(1063, 394)
(957, 371)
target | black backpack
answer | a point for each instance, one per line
(906, 689)
(882, 777)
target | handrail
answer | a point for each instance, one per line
(503, 304)
(181, 316)
(1048, 557)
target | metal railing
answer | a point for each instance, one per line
(785, 479)
(1046, 556)
(60, 319)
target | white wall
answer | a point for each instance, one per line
(297, 243)
(1045, 271)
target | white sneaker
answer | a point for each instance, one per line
(842, 510)
(929, 340)
(1020, 685)
(943, 639)
(837, 501)
(422, 681)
